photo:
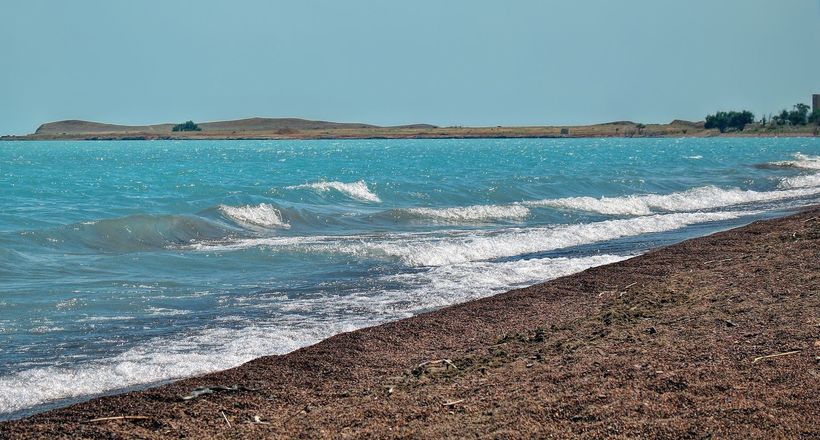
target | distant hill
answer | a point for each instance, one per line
(295, 128)
(692, 124)
(250, 125)
(88, 127)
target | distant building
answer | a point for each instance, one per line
(815, 102)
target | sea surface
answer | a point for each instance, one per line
(125, 264)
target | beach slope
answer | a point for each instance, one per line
(714, 337)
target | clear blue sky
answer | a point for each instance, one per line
(455, 62)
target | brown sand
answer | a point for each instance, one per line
(671, 344)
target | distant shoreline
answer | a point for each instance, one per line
(330, 138)
(292, 129)
(30, 138)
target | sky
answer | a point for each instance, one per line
(455, 62)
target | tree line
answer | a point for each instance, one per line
(738, 120)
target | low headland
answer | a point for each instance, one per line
(294, 128)
(716, 336)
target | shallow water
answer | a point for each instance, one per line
(130, 263)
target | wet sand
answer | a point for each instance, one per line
(714, 337)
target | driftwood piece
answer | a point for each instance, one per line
(197, 392)
(105, 419)
(769, 356)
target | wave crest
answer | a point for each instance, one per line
(356, 190)
(706, 197)
(807, 181)
(475, 213)
(515, 242)
(801, 160)
(264, 215)
(132, 233)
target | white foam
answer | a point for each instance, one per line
(46, 329)
(160, 311)
(246, 243)
(467, 247)
(696, 157)
(264, 215)
(456, 247)
(356, 190)
(440, 286)
(801, 160)
(706, 197)
(431, 288)
(105, 318)
(475, 213)
(158, 360)
(221, 348)
(806, 181)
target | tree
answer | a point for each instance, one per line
(814, 117)
(800, 114)
(723, 121)
(719, 120)
(186, 126)
(782, 118)
(739, 120)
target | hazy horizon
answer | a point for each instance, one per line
(459, 63)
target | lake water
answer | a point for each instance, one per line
(130, 263)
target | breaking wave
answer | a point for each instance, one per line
(457, 283)
(475, 213)
(801, 160)
(458, 247)
(807, 181)
(706, 197)
(157, 360)
(482, 246)
(144, 232)
(263, 215)
(356, 190)
(221, 348)
(132, 233)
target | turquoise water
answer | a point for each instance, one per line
(129, 263)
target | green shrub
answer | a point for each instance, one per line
(186, 126)
(799, 116)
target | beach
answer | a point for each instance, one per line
(713, 337)
(395, 220)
